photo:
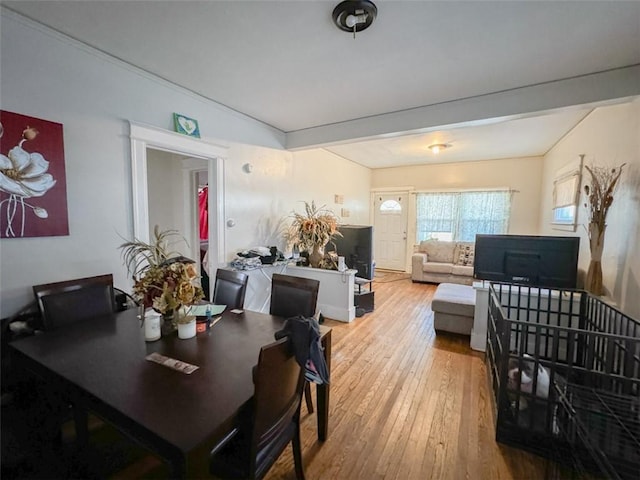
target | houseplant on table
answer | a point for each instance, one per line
(312, 230)
(163, 279)
(599, 199)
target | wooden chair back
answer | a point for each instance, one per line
(279, 382)
(291, 296)
(268, 423)
(75, 300)
(230, 288)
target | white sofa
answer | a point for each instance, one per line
(443, 262)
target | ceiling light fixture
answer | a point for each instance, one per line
(438, 147)
(354, 15)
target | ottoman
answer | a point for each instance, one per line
(453, 308)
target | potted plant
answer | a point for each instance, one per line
(163, 279)
(312, 230)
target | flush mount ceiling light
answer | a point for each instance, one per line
(438, 147)
(354, 15)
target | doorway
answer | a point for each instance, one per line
(195, 155)
(390, 221)
(172, 192)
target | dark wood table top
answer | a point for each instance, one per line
(173, 412)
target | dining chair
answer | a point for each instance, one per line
(230, 288)
(269, 422)
(70, 301)
(64, 303)
(292, 296)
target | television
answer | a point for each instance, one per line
(541, 261)
(356, 246)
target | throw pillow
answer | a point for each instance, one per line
(465, 254)
(439, 251)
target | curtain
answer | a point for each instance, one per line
(483, 212)
(462, 214)
(203, 206)
(565, 191)
(436, 212)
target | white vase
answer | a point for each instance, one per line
(187, 330)
(152, 330)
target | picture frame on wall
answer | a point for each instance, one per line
(185, 125)
(33, 186)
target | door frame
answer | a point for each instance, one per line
(407, 190)
(145, 136)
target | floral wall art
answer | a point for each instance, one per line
(33, 193)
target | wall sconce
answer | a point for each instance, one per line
(247, 168)
(438, 147)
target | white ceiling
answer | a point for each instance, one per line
(286, 64)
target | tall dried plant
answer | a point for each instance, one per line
(600, 194)
(599, 199)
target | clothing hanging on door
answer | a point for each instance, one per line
(203, 206)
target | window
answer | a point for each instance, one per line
(391, 207)
(565, 199)
(459, 216)
(566, 194)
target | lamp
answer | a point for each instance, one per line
(354, 15)
(437, 147)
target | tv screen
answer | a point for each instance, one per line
(356, 246)
(527, 259)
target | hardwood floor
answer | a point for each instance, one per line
(406, 404)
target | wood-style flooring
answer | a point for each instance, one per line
(405, 403)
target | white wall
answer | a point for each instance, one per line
(279, 184)
(165, 190)
(609, 136)
(49, 76)
(521, 174)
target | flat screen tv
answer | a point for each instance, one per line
(356, 246)
(527, 259)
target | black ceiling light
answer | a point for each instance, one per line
(354, 15)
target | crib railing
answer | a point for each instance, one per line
(578, 341)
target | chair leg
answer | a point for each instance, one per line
(307, 396)
(297, 454)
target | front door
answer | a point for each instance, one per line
(390, 220)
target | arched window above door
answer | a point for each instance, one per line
(390, 207)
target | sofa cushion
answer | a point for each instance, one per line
(462, 270)
(464, 253)
(436, 267)
(438, 251)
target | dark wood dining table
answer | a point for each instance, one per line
(101, 366)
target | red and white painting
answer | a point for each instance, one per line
(33, 186)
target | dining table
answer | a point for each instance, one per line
(104, 366)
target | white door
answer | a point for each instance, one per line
(390, 230)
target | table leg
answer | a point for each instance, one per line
(322, 392)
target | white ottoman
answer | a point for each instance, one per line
(453, 308)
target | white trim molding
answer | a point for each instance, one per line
(144, 137)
